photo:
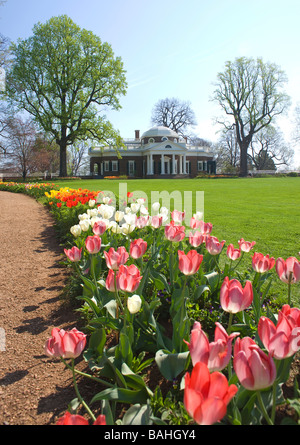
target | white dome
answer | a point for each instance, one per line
(160, 131)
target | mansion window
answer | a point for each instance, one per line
(106, 166)
(114, 166)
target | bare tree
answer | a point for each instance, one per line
(268, 148)
(227, 152)
(174, 114)
(19, 145)
(76, 157)
(250, 94)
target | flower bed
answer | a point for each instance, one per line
(146, 282)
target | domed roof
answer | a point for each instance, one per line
(160, 131)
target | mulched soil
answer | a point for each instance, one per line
(35, 389)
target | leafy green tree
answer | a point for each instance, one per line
(250, 93)
(63, 76)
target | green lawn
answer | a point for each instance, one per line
(265, 210)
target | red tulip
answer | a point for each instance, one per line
(213, 245)
(282, 340)
(72, 419)
(246, 246)
(174, 233)
(138, 248)
(76, 419)
(128, 278)
(206, 395)
(114, 258)
(288, 271)
(233, 297)
(232, 253)
(99, 228)
(261, 263)
(93, 244)
(254, 369)
(216, 355)
(65, 344)
(189, 263)
(197, 238)
(73, 254)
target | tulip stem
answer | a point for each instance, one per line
(79, 395)
(229, 323)
(289, 289)
(83, 374)
(263, 409)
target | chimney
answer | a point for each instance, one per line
(137, 134)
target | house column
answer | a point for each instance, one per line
(162, 160)
(148, 165)
(151, 164)
(180, 164)
(184, 164)
(173, 164)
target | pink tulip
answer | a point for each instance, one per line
(282, 340)
(213, 245)
(73, 254)
(197, 238)
(194, 223)
(110, 281)
(65, 344)
(99, 228)
(206, 395)
(261, 263)
(77, 419)
(232, 253)
(114, 258)
(246, 246)
(288, 271)
(156, 221)
(128, 278)
(138, 248)
(189, 263)
(177, 216)
(216, 355)
(174, 233)
(142, 221)
(254, 369)
(233, 297)
(93, 244)
(205, 228)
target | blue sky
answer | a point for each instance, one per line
(172, 48)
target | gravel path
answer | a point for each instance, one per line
(34, 389)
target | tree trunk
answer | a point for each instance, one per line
(63, 153)
(244, 159)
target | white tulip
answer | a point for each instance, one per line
(156, 206)
(75, 230)
(134, 304)
(198, 216)
(119, 215)
(84, 224)
(135, 207)
(92, 202)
